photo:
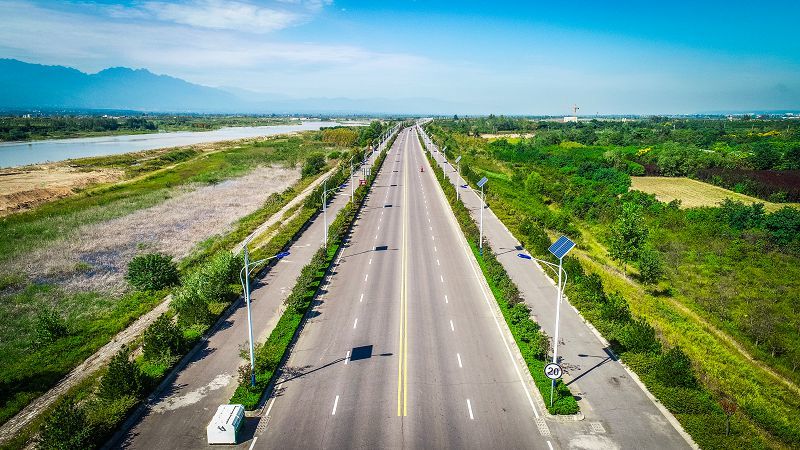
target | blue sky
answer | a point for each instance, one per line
(470, 57)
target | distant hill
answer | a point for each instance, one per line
(27, 85)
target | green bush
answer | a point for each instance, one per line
(674, 369)
(313, 165)
(162, 340)
(152, 271)
(49, 326)
(66, 427)
(123, 377)
(210, 284)
(638, 336)
(650, 264)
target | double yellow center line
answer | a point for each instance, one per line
(402, 368)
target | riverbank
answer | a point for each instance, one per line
(14, 154)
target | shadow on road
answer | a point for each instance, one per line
(609, 356)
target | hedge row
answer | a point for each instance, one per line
(533, 343)
(269, 355)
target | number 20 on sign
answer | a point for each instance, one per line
(553, 371)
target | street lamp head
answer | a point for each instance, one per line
(524, 256)
(282, 254)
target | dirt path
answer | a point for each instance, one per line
(95, 362)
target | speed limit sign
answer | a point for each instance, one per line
(553, 371)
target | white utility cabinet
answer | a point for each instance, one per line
(224, 427)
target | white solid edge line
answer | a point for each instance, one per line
(482, 283)
(269, 408)
(347, 357)
(550, 445)
(469, 407)
(335, 404)
(254, 443)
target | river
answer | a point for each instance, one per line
(23, 153)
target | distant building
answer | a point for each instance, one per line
(568, 119)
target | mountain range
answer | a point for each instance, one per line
(27, 86)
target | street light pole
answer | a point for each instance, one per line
(249, 317)
(325, 210)
(559, 249)
(558, 315)
(458, 177)
(483, 203)
(481, 183)
(244, 277)
(352, 188)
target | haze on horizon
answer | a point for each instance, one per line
(471, 57)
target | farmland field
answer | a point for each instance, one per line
(693, 193)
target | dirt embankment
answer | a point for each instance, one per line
(27, 187)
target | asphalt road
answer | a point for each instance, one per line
(406, 348)
(619, 412)
(177, 416)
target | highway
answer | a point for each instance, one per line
(619, 412)
(406, 348)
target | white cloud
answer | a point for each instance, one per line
(225, 15)
(215, 57)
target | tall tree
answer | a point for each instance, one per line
(628, 234)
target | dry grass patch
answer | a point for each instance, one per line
(693, 193)
(95, 256)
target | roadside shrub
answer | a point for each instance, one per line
(615, 309)
(152, 271)
(223, 268)
(675, 369)
(105, 415)
(638, 336)
(122, 378)
(210, 285)
(783, 225)
(313, 165)
(66, 427)
(650, 264)
(49, 326)
(162, 340)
